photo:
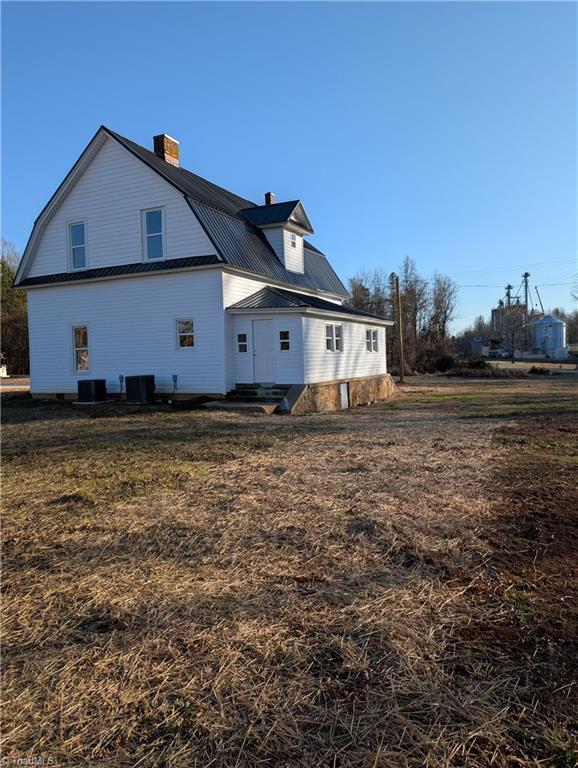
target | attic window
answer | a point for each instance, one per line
(153, 234)
(77, 244)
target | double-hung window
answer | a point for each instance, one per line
(284, 341)
(334, 338)
(80, 342)
(185, 333)
(371, 337)
(293, 240)
(77, 244)
(153, 234)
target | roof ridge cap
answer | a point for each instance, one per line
(273, 205)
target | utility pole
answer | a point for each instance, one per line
(525, 277)
(399, 330)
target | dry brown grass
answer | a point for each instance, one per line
(360, 589)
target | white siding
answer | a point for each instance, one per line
(132, 330)
(275, 238)
(109, 196)
(293, 256)
(235, 288)
(354, 361)
(280, 240)
(288, 363)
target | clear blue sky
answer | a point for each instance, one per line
(445, 131)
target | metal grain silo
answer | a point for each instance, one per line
(549, 336)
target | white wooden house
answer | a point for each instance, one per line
(137, 266)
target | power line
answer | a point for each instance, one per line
(547, 285)
(487, 270)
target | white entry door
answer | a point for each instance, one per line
(263, 352)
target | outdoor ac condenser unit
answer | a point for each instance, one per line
(91, 390)
(140, 389)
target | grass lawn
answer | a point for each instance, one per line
(384, 587)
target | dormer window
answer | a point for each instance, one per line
(153, 234)
(77, 244)
(293, 240)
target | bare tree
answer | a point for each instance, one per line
(9, 254)
(371, 291)
(414, 301)
(443, 306)
(14, 314)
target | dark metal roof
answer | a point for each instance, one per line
(279, 298)
(121, 269)
(246, 247)
(239, 242)
(223, 215)
(310, 247)
(188, 183)
(262, 215)
(278, 213)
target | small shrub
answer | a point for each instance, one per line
(537, 371)
(476, 364)
(445, 363)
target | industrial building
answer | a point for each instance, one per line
(548, 337)
(521, 329)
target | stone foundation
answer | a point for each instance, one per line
(328, 395)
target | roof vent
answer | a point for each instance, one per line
(167, 148)
(269, 198)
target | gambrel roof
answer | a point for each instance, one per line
(232, 223)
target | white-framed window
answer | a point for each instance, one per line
(77, 244)
(333, 338)
(293, 240)
(241, 342)
(339, 338)
(153, 233)
(284, 341)
(185, 333)
(80, 346)
(371, 340)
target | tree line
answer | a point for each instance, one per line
(13, 313)
(427, 309)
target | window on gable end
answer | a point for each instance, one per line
(77, 244)
(153, 234)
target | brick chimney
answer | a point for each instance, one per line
(269, 198)
(167, 148)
